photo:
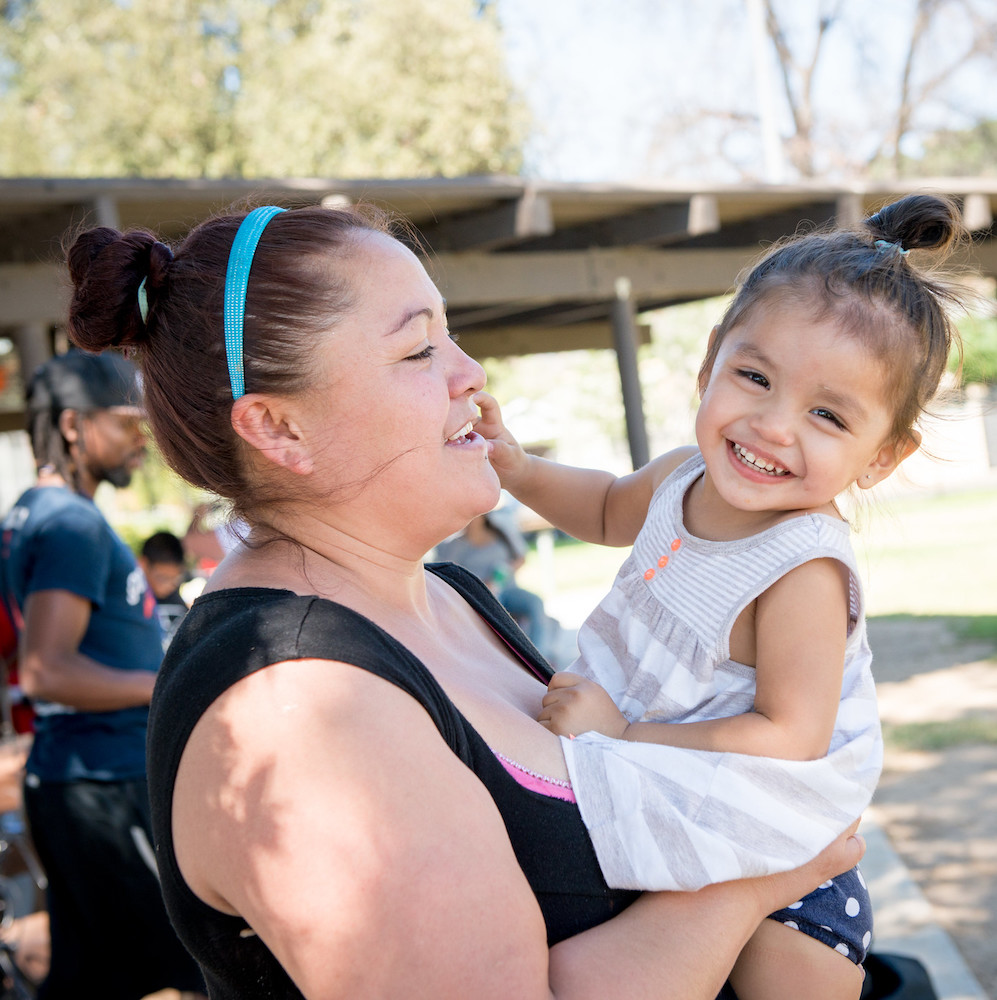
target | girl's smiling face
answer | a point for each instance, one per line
(794, 412)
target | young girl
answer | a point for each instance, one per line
(738, 617)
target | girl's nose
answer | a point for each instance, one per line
(773, 424)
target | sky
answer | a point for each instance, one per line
(609, 82)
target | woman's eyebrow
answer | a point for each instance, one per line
(408, 317)
(415, 314)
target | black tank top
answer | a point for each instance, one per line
(230, 634)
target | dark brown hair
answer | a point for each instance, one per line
(864, 278)
(296, 293)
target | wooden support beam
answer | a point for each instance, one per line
(753, 233)
(33, 293)
(510, 222)
(625, 339)
(977, 213)
(655, 225)
(476, 279)
(513, 341)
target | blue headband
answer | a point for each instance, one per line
(240, 260)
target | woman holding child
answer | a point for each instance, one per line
(351, 794)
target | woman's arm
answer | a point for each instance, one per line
(319, 802)
(800, 629)
(589, 504)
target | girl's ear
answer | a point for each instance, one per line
(704, 375)
(265, 424)
(887, 459)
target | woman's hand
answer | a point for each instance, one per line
(841, 855)
(575, 705)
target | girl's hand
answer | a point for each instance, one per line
(575, 705)
(504, 452)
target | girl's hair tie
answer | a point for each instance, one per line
(885, 246)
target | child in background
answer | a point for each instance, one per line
(162, 561)
(738, 617)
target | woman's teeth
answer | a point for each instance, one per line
(758, 463)
(463, 432)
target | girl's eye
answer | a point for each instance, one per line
(757, 377)
(820, 411)
(426, 352)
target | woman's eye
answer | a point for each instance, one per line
(426, 352)
(820, 411)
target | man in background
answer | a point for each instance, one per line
(90, 645)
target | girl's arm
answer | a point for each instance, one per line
(320, 803)
(800, 630)
(589, 504)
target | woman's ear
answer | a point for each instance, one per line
(265, 424)
(887, 459)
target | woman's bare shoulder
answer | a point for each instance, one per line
(316, 795)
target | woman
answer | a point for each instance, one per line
(351, 795)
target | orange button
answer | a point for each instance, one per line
(663, 561)
(676, 544)
(649, 574)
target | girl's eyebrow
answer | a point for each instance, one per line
(745, 349)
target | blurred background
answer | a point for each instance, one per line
(587, 178)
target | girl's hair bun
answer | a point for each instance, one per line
(918, 222)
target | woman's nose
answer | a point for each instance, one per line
(466, 375)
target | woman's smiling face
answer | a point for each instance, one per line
(392, 405)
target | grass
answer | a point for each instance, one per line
(918, 555)
(932, 737)
(932, 555)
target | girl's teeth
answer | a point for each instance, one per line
(463, 432)
(750, 459)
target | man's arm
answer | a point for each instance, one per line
(52, 667)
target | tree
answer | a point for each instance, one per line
(915, 78)
(957, 153)
(255, 88)
(834, 89)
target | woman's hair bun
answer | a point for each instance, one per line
(107, 268)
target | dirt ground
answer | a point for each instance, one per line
(939, 807)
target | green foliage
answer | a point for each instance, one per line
(979, 347)
(255, 88)
(931, 737)
(967, 153)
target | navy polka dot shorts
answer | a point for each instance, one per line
(837, 913)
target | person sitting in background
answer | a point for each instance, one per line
(492, 547)
(162, 561)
